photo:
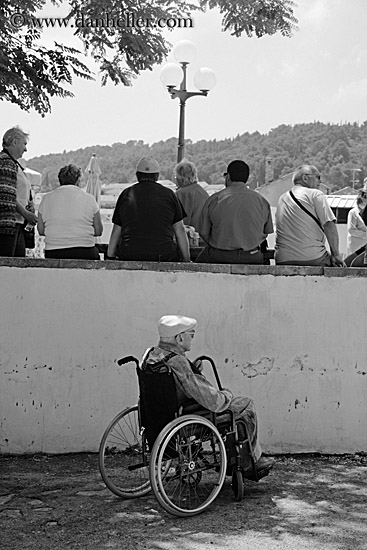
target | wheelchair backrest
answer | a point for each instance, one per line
(158, 398)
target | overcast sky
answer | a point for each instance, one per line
(318, 74)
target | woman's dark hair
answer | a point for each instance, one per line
(69, 174)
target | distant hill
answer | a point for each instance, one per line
(335, 149)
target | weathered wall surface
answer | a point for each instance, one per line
(296, 343)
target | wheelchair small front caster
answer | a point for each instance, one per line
(238, 487)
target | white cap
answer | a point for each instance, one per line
(171, 325)
(147, 166)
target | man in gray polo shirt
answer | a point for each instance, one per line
(235, 221)
(304, 221)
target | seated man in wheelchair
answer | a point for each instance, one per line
(176, 334)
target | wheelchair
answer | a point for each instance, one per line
(182, 454)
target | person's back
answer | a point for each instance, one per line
(191, 195)
(147, 220)
(297, 236)
(146, 212)
(67, 213)
(235, 222)
(303, 218)
(70, 219)
(192, 198)
(238, 218)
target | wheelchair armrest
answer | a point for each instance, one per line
(190, 406)
(206, 358)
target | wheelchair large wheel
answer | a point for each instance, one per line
(123, 464)
(197, 461)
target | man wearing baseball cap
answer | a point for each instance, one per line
(148, 221)
(176, 334)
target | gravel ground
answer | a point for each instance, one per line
(306, 503)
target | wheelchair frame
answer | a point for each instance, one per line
(188, 462)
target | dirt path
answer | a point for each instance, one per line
(61, 503)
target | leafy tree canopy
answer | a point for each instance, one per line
(335, 149)
(30, 74)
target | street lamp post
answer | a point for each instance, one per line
(174, 77)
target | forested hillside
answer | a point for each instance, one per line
(336, 149)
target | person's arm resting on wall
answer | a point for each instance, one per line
(40, 225)
(182, 240)
(268, 227)
(114, 241)
(205, 226)
(97, 224)
(331, 233)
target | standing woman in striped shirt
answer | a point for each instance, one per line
(12, 211)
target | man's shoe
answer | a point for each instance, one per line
(265, 463)
(263, 467)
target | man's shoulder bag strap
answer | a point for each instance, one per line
(305, 210)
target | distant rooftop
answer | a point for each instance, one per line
(341, 201)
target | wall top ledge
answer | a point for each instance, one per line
(231, 269)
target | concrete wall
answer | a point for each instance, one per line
(294, 339)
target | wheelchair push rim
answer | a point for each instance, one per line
(196, 454)
(123, 457)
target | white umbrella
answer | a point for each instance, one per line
(93, 172)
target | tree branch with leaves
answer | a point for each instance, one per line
(31, 74)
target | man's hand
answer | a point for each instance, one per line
(30, 217)
(337, 261)
(228, 392)
(199, 366)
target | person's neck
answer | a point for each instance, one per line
(236, 183)
(11, 152)
(299, 184)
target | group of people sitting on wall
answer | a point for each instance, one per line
(151, 222)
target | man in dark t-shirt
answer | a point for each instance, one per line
(148, 221)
